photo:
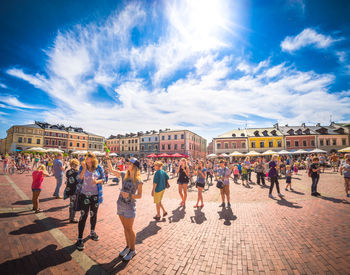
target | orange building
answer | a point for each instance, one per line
(77, 139)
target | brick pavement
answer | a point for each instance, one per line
(299, 234)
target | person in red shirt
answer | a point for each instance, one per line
(38, 178)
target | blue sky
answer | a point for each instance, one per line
(120, 66)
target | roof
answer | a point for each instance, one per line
(91, 134)
(285, 130)
(330, 130)
(240, 133)
(269, 131)
(28, 126)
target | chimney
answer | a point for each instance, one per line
(276, 126)
(318, 124)
(303, 125)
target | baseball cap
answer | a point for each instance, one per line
(134, 161)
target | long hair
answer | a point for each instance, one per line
(134, 174)
(94, 161)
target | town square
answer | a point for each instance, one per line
(175, 137)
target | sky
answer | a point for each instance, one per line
(115, 67)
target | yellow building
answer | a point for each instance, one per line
(130, 145)
(263, 139)
(22, 137)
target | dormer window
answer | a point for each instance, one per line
(233, 135)
(256, 133)
(322, 130)
(265, 133)
(299, 132)
(307, 132)
(274, 133)
(340, 131)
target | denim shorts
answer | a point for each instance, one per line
(127, 210)
(36, 189)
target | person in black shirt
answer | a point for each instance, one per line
(71, 186)
(315, 176)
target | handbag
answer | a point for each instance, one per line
(220, 184)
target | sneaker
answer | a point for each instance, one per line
(270, 196)
(94, 236)
(124, 252)
(130, 255)
(314, 194)
(286, 189)
(80, 245)
(73, 221)
(280, 195)
(229, 205)
(156, 218)
(222, 205)
(318, 194)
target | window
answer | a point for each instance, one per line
(163, 147)
(328, 142)
(175, 136)
(84, 145)
(84, 139)
(262, 144)
(64, 143)
(29, 140)
(90, 146)
(132, 141)
(95, 146)
(70, 144)
(163, 137)
(78, 144)
(226, 145)
(71, 136)
(129, 141)
(343, 141)
(156, 138)
(243, 144)
(175, 147)
(312, 142)
(59, 143)
(182, 146)
(334, 142)
(149, 147)
(20, 139)
(78, 137)
(304, 143)
(142, 148)
(182, 136)
(234, 145)
(156, 147)
(321, 142)
(142, 140)
(169, 146)
(135, 140)
(218, 146)
(296, 143)
(279, 143)
(47, 142)
(53, 142)
(253, 144)
(169, 137)
(270, 144)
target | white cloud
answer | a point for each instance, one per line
(307, 37)
(2, 85)
(14, 102)
(209, 95)
(341, 56)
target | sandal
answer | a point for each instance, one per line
(166, 213)
(156, 218)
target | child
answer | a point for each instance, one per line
(289, 177)
(159, 184)
(296, 167)
(244, 174)
(38, 178)
(201, 175)
(345, 169)
(71, 187)
(235, 174)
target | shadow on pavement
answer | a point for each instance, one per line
(114, 267)
(40, 226)
(178, 214)
(16, 214)
(297, 192)
(57, 208)
(37, 261)
(335, 200)
(227, 215)
(151, 229)
(199, 216)
(282, 201)
(26, 202)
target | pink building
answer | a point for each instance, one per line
(182, 142)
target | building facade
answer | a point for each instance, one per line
(54, 137)
(95, 142)
(298, 137)
(182, 142)
(130, 145)
(235, 140)
(149, 143)
(331, 139)
(113, 144)
(77, 139)
(23, 137)
(263, 139)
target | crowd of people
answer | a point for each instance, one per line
(85, 175)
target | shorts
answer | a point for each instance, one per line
(158, 196)
(178, 182)
(244, 176)
(346, 181)
(199, 184)
(126, 210)
(36, 189)
(288, 179)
